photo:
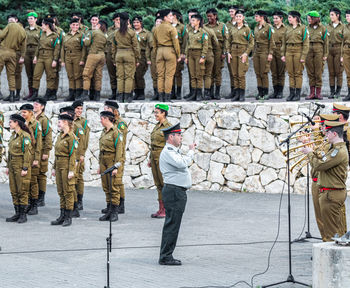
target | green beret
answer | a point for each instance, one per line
(162, 106)
(32, 14)
(313, 14)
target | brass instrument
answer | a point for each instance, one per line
(292, 123)
(314, 133)
(302, 145)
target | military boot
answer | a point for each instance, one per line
(22, 214)
(121, 207)
(141, 95)
(80, 202)
(332, 92)
(70, 95)
(91, 94)
(11, 97)
(241, 95)
(107, 215)
(291, 94)
(75, 213)
(279, 92)
(128, 97)
(34, 207)
(318, 93)
(192, 96)
(105, 210)
(120, 97)
(52, 95)
(189, 94)
(114, 209)
(167, 97)
(217, 93)
(337, 92)
(199, 94)
(178, 93)
(41, 199)
(265, 93)
(15, 217)
(97, 96)
(18, 95)
(312, 93)
(207, 94)
(60, 218)
(114, 95)
(260, 93)
(83, 96)
(29, 94)
(155, 95)
(297, 94)
(67, 218)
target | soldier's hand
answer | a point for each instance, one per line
(149, 62)
(114, 172)
(324, 58)
(202, 60)
(7, 171)
(283, 58)
(341, 59)
(70, 174)
(54, 64)
(35, 60)
(244, 58)
(53, 173)
(269, 57)
(21, 60)
(179, 59)
(229, 57)
(81, 63)
(302, 60)
(24, 173)
(62, 64)
(186, 61)
(44, 157)
(35, 163)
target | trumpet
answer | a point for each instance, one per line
(292, 123)
(302, 145)
(314, 133)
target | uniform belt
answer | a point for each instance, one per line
(335, 45)
(294, 45)
(322, 189)
(15, 156)
(72, 51)
(61, 157)
(316, 43)
(314, 179)
(31, 46)
(259, 45)
(107, 153)
(124, 49)
(161, 46)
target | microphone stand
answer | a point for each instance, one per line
(290, 278)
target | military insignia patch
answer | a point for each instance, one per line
(169, 148)
(122, 127)
(81, 132)
(76, 145)
(334, 153)
(324, 159)
(26, 141)
(39, 126)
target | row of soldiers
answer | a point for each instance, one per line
(28, 157)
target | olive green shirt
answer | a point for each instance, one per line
(278, 38)
(165, 35)
(197, 40)
(319, 35)
(335, 35)
(298, 35)
(35, 127)
(263, 38)
(241, 36)
(46, 133)
(20, 145)
(49, 43)
(73, 44)
(157, 136)
(65, 146)
(111, 141)
(123, 128)
(213, 43)
(222, 33)
(181, 34)
(33, 35)
(81, 121)
(127, 41)
(96, 41)
(110, 36)
(80, 135)
(13, 37)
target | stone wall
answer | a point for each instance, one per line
(237, 144)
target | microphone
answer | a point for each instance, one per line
(309, 119)
(110, 169)
(320, 105)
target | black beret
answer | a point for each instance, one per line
(67, 109)
(112, 104)
(28, 107)
(261, 13)
(115, 15)
(164, 12)
(52, 15)
(294, 14)
(107, 114)
(65, 117)
(347, 12)
(173, 129)
(235, 7)
(41, 101)
(12, 16)
(74, 20)
(137, 18)
(335, 10)
(197, 16)
(124, 15)
(77, 14)
(77, 103)
(278, 13)
(48, 20)
(240, 12)
(17, 117)
(212, 11)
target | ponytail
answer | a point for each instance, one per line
(25, 128)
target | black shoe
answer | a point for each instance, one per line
(260, 93)
(83, 96)
(114, 95)
(171, 262)
(241, 95)
(189, 94)
(199, 94)
(279, 92)
(232, 94)
(105, 210)
(155, 95)
(128, 97)
(107, 215)
(67, 218)
(60, 218)
(18, 95)
(332, 92)
(207, 94)
(97, 96)
(121, 207)
(337, 92)
(41, 199)
(217, 93)
(15, 217)
(212, 92)
(114, 211)
(120, 97)
(167, 97)
(91, 94)
(291, 94)
(11, 97)
(34, 207)
(297, 94)
(266, 93)
(71, 95)
(235, 95)
(275, 92)
(75, 213)
(192, 96)
(162, 97)
(80, 202)
(347, 98)
(141, 95)
(52, 95)
(178, 92)
(22, 214)
(172, 94)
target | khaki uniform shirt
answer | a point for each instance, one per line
(73, 44)
(297, 35)
(33, 36)
(278, 38)
(157, 139)
(197, 40)
(13, 37)
(213, 43)
(165, 35)
(20, 145)
(49, 44)
(36, 130)
(181, 34)
(65, 146)
(110, 37)
(80, 136)
(127, 41)
(96, 42)
(241, 36)
(222, 34)
(335, 35)
(319, 35)
(46, 133)
(263, 37)
(111, 141)
(82, 122)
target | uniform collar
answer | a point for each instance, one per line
(172, 146)
(164, 123)
(282, 25)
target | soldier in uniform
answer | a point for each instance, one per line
(196, 52)
(19, 166)
(345, 52)
(157, 144)
(111, 68)
(144, 37)
(33, 35)
(35, 129)
(240, 44)
(221, 32)
(111, 154)
(46, 132)
(1, 135)
(126, 55)
(81, 121)
(177, 179)
(335, 67)
(12, 38)
(80, 17)
(95, 41)
(278, 68)
(333, 170)
(73, 57)
(317, 55)
(295, 45)
(46, 59)
(119, 122)
(64, 168)
(167, 49)
(264, 45)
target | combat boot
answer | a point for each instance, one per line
(193, 95)
(141, 95)
(275, 92)
(121, 207)
(107, 215)
(41, 199)
(105, 210)
(15, 217)
(172, 94)
(337, 92)
(189, 94)
(332, 92)
(80, 202)
(279, 92)
(67, 218)
(70, 95)
(18, 95)
(114, 95)
(78, 93)
(312, 93)
(91, 94)
(297, 94)
(235, 95)
(217, 93)
(260, 93)
(114, 210)
(241, 95)
(83, 96)
(232, 94)
(207, 94)
(11, 97)
(30, 89)
(291, 94)
(120, 97)
(52, 95)
(199, 94)
(161, 211)
(162, 97)
(34, 207)
(155, 95)
(97, 96)
(167, 97)
(128, 97)
(318, 93)
(178, 93)
(266, 93)
(60, 218)
(22, 214)
(75, 213)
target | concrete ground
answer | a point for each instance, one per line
(224, 238)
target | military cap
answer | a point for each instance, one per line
(314, 14)
(193, 10)
(74, 20)
(173, 129)
(261, 13)
(108, 114)
(294, 13)
(68, 109)
(17, 117)
(334, 126)
(240, 11)
(329, 117)
(176, 12)
(77, 14)
(28, 107)
(162, 107)
(12, 16)
(124, 15)
(335, 10)
(115, 15)
(164, 12)
(65, 117)
(32, 14)
(212, 11)
(48, 20)
(137, 18)
(235, 7)
(347, 12)
(41, 101)
(52, 15)
(112, 104)
(77, 103)
(339, 107)
(278, 13)
(197, 16)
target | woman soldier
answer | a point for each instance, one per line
(317, 55)
(46, 59)
(73, 56)
(35, 129)
(111, 153)
(64, 168)
(345, 52)
(335, 67)
(263, 51)
(126, 53)
(295, 45)
(240, 44)
(19, 166)
(157, 145)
